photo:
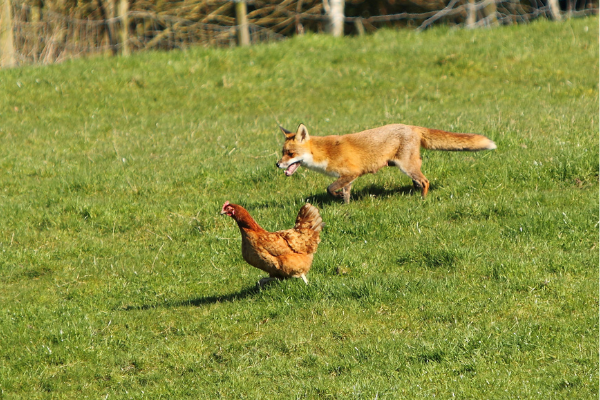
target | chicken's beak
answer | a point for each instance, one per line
(223, 208)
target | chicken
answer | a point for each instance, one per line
(282, 254)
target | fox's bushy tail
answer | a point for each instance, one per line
(435, 139)
(309, 218)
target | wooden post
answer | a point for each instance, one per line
(36, 18)
(335, 13)
(360, 28)
(123, 14)
(299, 26)
(7, 44)
(570, 8)
(554, 9)
(471, 14)
(490, 13)
(111, 40)
(242, 22)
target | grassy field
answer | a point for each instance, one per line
(119, 278)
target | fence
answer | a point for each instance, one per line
(33, 34)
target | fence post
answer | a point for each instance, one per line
(490, 13)
(471, 14)
(554, 9)
(242, 22)
(7, 46)
(360, 28)
(123, 11)
(335, 13)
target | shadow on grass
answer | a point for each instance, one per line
(379, 191)
(321, 199)
(199, 301)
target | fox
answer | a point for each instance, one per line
(346, 157)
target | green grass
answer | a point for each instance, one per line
(119, 279)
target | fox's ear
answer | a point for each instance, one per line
(302, 134)
(288, 134)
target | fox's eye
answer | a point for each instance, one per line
(290, 154)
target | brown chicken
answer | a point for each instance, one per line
(282, 254)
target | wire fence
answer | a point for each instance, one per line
(43, 35)
(54, 37)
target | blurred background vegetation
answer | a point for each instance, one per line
(39, 31)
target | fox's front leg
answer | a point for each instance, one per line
(345, 184)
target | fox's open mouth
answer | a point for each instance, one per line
(292, 168)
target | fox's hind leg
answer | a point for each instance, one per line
(345, 184)
(422, 184)
(412, 168)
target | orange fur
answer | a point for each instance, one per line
(349, 156)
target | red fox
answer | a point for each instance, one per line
(347, 157)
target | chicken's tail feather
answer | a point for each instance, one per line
(309, 218)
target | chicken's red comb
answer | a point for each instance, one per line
(224, 205)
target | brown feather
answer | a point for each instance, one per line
(282, 254)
